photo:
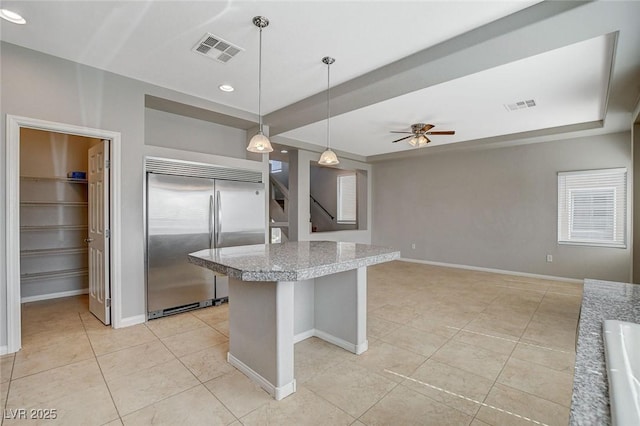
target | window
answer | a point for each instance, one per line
(275, 166)
(347, 198)
(592, 207)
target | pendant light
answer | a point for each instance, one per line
(259, 142)
(328, 157)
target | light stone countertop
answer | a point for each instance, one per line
(291, 261)
(601, 300)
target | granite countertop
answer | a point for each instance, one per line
(291, 261)
(601, 300)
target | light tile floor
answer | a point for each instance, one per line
(446, 347)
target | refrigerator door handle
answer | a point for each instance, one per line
(210, 221)
(218, 218)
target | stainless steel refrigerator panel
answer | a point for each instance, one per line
(180, 221)
(240, 215)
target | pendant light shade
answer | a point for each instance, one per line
(260, 143)
(328, 157)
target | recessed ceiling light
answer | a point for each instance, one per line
(226, 88)
(12, 16)
(283, 151)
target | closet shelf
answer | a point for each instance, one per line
(54, 178)
(55, 203)
(52, 252)
(54, 227)
(67, 273)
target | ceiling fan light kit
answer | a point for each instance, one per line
(328, 157)
(260, 142)
(418, 138)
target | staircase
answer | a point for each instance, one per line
(278, 211)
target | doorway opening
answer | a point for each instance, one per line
(62, 222)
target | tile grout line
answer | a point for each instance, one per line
(104, 379)
(467, 399)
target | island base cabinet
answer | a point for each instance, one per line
(261, 333)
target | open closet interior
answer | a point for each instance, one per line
(53, 214)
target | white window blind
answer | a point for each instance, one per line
(347, 198)
(592, 207)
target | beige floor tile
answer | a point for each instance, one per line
(77, 392)
(523, 404)
(32, 359)
(403, 406)
(57, 324)
(53, 337)
(6, 367)
(174, 324)
(213, 314)
(4, 391)
(499, 344)
(313, 356)
(561, 305)
(538, 380)
(221, 327)
(302, 408)
(437, 381)
(544, 334)
(194, 341)
(477, 422)
(208, 363)
(352, 388)
(428, 324)
(378, 327)
(90, 322)
(382, 356)
(414, 340)
(559, 360)
(499, 324)
(128, 361)
(394, 313)
(470, 358)
(196, 406)
(110, 340)
(239, 394)
(116, 422)
(148, 386)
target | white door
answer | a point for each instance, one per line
(98, 239)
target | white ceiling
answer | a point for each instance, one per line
(560, 59)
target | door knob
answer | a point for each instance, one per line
(88, 240)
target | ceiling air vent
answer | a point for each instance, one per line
(520, 105)
(215, 47)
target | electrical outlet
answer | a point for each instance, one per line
(549, 258)
(413, 246)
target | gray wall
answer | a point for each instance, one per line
(48, 88)
(324, 188)
(495, 208)
(175, 131)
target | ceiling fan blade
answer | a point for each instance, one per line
(442, 132)
(401, 139)
(396, 131)
(427, 127)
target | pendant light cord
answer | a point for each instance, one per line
(260, 84)
(328, 110)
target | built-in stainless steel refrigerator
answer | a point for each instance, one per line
(187, 214)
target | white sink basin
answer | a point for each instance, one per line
(622, 354)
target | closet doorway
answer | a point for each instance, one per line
(60, 220)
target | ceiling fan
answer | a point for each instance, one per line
(419, 132)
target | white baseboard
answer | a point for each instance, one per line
(4, 350)
(304, 335)
(134, 320)
(277, 392)
(54, 295)
(495, 271)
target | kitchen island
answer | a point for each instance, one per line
(281, 294)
